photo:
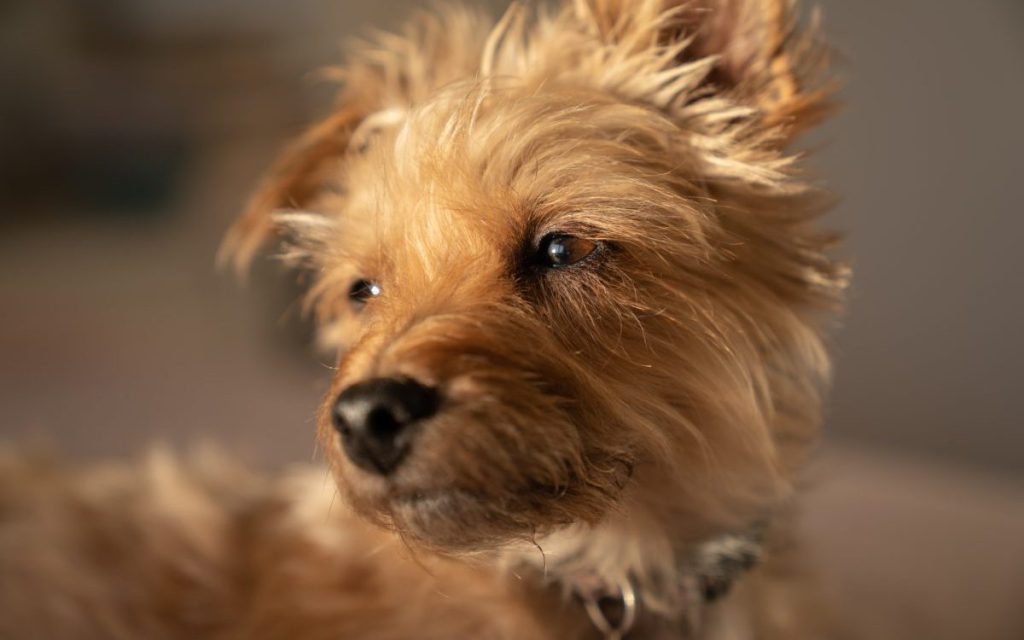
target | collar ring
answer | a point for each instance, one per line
(626, 600)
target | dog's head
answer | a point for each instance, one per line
(568, 265)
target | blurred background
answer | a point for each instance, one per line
(132, 130)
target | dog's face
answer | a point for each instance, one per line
(558, 281)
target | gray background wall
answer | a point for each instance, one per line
(927, 157)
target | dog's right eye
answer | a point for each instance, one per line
(361, 291)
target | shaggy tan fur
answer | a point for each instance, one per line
(599, 420)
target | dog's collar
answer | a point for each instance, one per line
(707, 575)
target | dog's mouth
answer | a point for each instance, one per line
(432, 504)
(450, 519)
(437, 500)
(459, 520)
(465, 485)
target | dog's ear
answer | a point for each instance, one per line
(292, 182)
(759, 52)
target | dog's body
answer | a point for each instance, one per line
(574, 281)
(166, 549)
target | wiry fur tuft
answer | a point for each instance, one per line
(740, 103)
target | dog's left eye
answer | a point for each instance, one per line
(562, 250)
(361, 291)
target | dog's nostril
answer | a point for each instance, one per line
(374, 419)
(381, 423)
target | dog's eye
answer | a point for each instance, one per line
(561, 250)
(361, 291)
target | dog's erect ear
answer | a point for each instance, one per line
(295, 178)
(762, 55)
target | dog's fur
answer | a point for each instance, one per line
(599, 421)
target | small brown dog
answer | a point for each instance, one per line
(573, 275)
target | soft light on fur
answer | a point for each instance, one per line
(601, 419)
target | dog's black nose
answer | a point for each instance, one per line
(374, 420)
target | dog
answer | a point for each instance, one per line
(573, 271)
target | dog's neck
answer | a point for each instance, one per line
(628, 568)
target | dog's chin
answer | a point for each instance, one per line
(454, 521)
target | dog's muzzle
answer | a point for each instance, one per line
(376, 418)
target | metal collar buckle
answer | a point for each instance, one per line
(613, 627)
